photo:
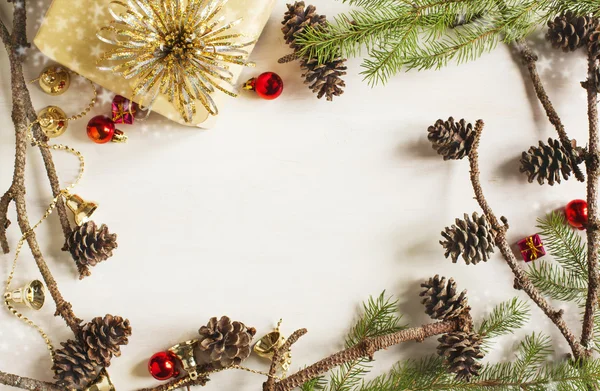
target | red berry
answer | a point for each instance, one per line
(101, 129)
(576, 213)
(268, 85)
(162, 366)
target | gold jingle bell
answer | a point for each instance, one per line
(267, 345)
(82, 210)
(32, 295)
(53, 121)
(102, 383)
(185, 353)
(54, 80)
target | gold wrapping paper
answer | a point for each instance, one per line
(78, 47)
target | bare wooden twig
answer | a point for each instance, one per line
(27, 383)
(593, 227)
(530, 59)
(521, 277)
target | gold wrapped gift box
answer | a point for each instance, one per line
(68, 36)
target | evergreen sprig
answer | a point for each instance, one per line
(425, 34)
(565, 279)
(530, 371)
(380, 317)
(504, 319)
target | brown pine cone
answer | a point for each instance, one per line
(72, 367)
(450, 139)
(325, 79)
(442, 300)
(569, 32)
(102, 338)
(473, 239)
(462, 352)
(594, 42)
(297, 18)
(223, 343)
(90, 245)
(548, 162)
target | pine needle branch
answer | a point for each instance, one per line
(558, 283)
(564, 244)
(505, 318)
(379, 318)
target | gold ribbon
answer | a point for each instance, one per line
(533, 248)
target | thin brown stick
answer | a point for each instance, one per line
(367, 348)
(26, 383)
(593, 226)
(4, 221)
(20, 95)
(523, 281)
(269, 385)
(530, 59)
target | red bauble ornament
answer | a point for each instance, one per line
(576, 213)
(101, 130)
(267, 85)
(163, 366)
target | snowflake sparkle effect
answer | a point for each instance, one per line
(177, 48)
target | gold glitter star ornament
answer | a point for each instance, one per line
(180, 49)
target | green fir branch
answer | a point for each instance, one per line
(529, 372)
(558, 283)
(564, 243)
(317, 384)
(380, 317)
(505, 318)
(423, 34)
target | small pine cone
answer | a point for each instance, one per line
(569, 32)
(473, 239)
(442, 300)
(452, 140)
(90, 245)
(297, 18)
(102, 338)
(223, 343)
(594, 42)
(72, 367)
(462, 352)
(547, 162)
(325, 79)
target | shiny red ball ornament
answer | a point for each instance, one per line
(576, 213)
(101, 130)
(267, 85)
(163, 366)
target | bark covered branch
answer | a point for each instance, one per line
(27, 383)
(522, 280)
(593, 234)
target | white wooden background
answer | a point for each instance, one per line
(296, 208)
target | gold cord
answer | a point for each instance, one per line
(63, 193)
(186, 380)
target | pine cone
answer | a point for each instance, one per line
(548, 162)
(473, 239)
(223, 343)
(569, 32)
(89, 246)
(72, 368)
(102, 338)
(461, 352)
(594, 41)
(452, 140)
(297, 18)
(442, 300)
(325, 79)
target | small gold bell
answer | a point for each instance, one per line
(32, 295)
(185, 353)
(82, 210)
(267, 345)
(54, 80)
(102, 383)
(53, 121)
